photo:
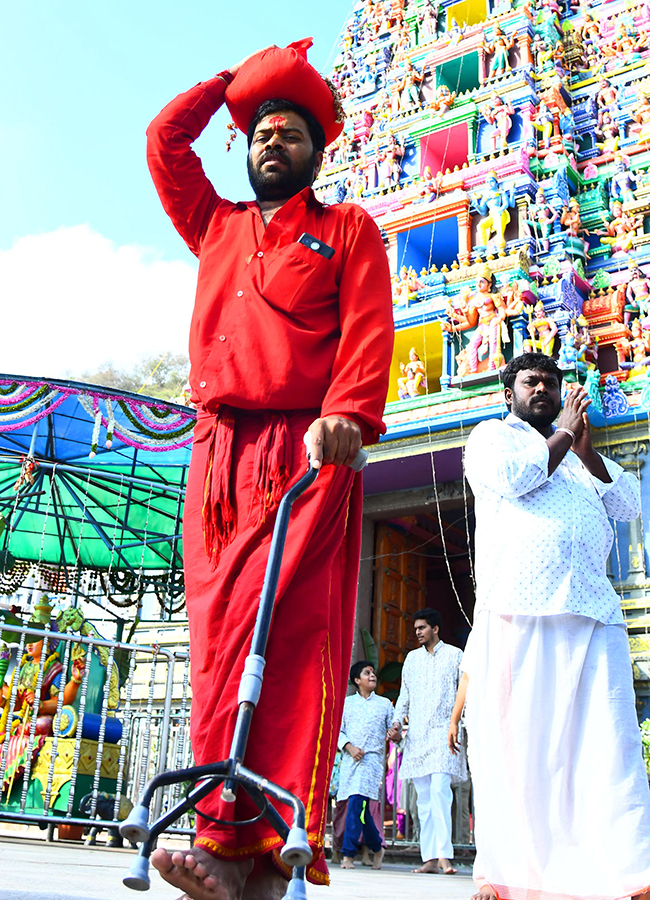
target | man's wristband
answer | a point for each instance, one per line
(569, 432)
(226, 76)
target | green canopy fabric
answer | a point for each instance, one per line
(90, 477)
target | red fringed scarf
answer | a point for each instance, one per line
(272, 468)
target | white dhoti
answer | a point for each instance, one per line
(434, 798)
(561, 793)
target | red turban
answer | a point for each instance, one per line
(283, 73)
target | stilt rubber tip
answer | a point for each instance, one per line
(135, 827)
(296, 851)
(138, 876)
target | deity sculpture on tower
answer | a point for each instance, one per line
(413, 380)
(634, 349)
(442, 102)
(623, 181)
(493, 204)
(498, 114)
(622, 229)
(543, 121)
(641, 116)
(484, 309)
(499, 48)
(542, 330)
(539, 220)
(637, 294)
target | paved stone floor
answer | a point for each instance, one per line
(36, 870)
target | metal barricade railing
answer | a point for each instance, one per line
(128, 719)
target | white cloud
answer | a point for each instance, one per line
(71, 299)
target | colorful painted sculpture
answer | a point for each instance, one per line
(539, 221)
(542, 330)
(409, 88)
(572, 356)
(413, 380)
(608, 132)
(491, 331)
(633, 350)
(590, 28)
(641, 116)
(499, 48)
(637, 294)
(455, 32)
(493, 205)
(585, 341)
(25, 675)
(406, 286)
(622, 229)
(390, 162)
(543, 122)
(570, 218)
(498, 114)
(442, 102)
(459, 316)
(430, 185)
(513, 298)
(567, 124)
(484, 310)
(625, 47)
(607, 96)
(428, 22)
(543, 56)
(623, 181)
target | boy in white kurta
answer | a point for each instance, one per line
(362, 741)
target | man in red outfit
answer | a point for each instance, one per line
(291, 333)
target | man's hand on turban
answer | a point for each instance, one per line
(234, 69)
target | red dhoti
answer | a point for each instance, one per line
(296, 724)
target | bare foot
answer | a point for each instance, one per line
(201, 876)
(446, 866)
(347, 862)
(486, 892)
(365, 856)
(430, 867)
(265, 881)
(377, 858)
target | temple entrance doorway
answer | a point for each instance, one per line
(418, 564)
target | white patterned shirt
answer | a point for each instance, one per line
(427, 695)
(365, 723)
(542, 541)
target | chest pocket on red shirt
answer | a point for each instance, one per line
(297, 277)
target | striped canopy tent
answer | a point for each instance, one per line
(92, 483)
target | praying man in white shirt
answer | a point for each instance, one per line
(362, 742)
(560, 789)
(429, 682)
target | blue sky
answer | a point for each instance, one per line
(84, 243)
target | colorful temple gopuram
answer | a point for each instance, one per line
(503, 149)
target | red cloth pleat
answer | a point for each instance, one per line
(218, 513)
(271, 467)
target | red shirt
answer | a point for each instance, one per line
(275, 324)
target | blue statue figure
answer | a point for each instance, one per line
(493, 205)
(623, 181)
(572, 357)
(615, 403)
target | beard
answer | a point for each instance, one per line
(279, 184)
(536, 414)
